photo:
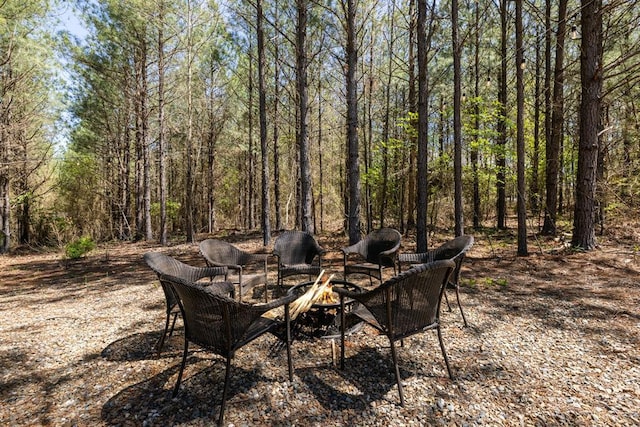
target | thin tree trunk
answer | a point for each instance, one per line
(306, 196)
(189, 202)
(476, 123)
(520, 149)
(421, 207)
(276, 154)
(557, 119)
(457, 123)
(353, 165)
(162, 149)
(535, 157)
(266, 224)
(501, 202)
(411, 190)
(387, 114)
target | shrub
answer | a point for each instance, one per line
(79, 247)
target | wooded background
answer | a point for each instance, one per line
(179, 117)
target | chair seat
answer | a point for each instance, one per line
(250, 281)
(290, 270)
(367, 268)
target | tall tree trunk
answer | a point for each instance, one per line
(266, 224)
(276, 154)
(411, 190)
(5, 198)
(476, 123)
(457, 122)
(368, 143)
(535, 157)
(353, 165)
(547, 78)
(320, 156)
(162, 146)
(590, 106)
(387, 113)
(557, 119)
(189, 196)
(520, 149)
(423, 112)
(501, 199)
(306, 195)
(143, 181)
(250, 173)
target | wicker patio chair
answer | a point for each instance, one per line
(164, 264)
(404, 305)
(222, 325)
(297, 253)
(223, 254)
(372, 254)
(456, 250)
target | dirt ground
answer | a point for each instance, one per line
(553, 340)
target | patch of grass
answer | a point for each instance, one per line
(496, 282)
(79, 247)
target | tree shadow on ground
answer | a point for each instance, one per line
(142, 346)
(327, 383)
(150, 402)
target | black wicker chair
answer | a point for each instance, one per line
(372, 254)
(164, 264)
(456, 250)
(222, 325)
(404, 305)
(297, 253)
(223, 254)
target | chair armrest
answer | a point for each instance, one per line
(353, 249)
(347, 293)
(211, 272)
(219, 288)
(264, 307)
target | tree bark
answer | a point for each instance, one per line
(353, 165)
(520, 149)
(501, 200)
(421, 200)
(457, 123)
(590, 106)
(306, 196)
(552, 149)
(266, 224)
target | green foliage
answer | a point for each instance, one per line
(79, 247)
(499, 282)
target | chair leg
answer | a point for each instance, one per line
(444, 353)
(394, 356)
(224, 392)
(288, 338)
(342, 333)
(447, 298)
(173, 324)
(184, 362)
(461, 310)
(160, 342)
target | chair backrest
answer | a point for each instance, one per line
(212, 320)
(221, 253)
(163, 264)
(454, 249)
(296, 247)
(378, 241)
(409, 302)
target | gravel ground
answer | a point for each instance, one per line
(553, 340)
